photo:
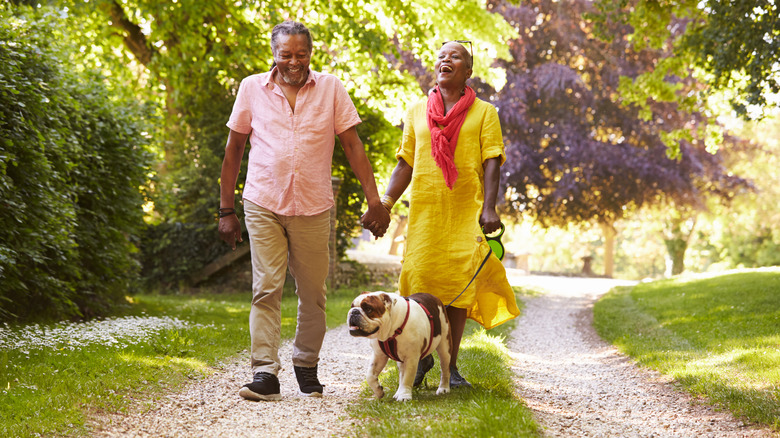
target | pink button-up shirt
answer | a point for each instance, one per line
(290, 153)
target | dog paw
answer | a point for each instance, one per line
(402, 396)
(379, 392)
(441, 391)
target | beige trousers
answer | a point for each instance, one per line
(276, 242)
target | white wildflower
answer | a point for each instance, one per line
(116, 332)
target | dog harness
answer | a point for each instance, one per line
(390, 346)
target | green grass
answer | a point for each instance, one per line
(489, 409)
(719, 337)
(52, 390)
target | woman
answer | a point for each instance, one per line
(451, 152)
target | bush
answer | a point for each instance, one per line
(171, 252)
(72, 162)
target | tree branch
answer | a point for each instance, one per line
(134, 39)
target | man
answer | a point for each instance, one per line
(291, 116)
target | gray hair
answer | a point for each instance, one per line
(289, 28)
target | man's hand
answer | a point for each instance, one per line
(230, 230)
(489, 220)
(376, 220)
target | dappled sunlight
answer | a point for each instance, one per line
(166, 361)
(235, 310)
(688, 277)
(735, 367)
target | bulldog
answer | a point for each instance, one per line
(405, 330)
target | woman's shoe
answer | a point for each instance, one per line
(456, 380)
(423, 367)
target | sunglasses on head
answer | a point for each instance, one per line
(463, 42)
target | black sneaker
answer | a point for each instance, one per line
(423, 367)
(265, 386)
(456, 380)
(307, 381)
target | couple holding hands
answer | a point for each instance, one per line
(450, 155)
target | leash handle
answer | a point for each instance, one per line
(495, 242)
(472, 278)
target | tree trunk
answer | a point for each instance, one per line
(676, 240)
(398, 235)
(609, 248)
(676, 249)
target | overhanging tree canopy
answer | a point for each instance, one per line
(190, 57)
(733, 44)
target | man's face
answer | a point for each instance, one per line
(292, 58)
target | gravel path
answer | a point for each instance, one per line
(580, 386)
(576, 384)
(213, 408)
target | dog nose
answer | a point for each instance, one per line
(354, 318)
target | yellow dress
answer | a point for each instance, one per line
(445, 245)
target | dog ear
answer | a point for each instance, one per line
(387, 299)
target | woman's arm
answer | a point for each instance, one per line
(489, 219)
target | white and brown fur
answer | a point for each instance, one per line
(377, 315)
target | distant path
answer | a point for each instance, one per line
(580, 386)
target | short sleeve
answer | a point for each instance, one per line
(345, 115)
(241, 117)
(408, 140)
(491, 140)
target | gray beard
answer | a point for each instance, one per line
(289, 80)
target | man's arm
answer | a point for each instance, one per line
(489, 218)
(230, 226)
(376, 219)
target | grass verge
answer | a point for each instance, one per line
(719, 336)
(52, 377)
(489, 409)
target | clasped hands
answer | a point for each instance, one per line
(376, 220)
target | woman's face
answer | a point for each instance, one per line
(452, 66)
(292, 58)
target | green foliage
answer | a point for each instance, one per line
(377, 133)
(189, 57)
(717, 336)
(732, 45)
(72, 161)
(169, 256)
(746, 233)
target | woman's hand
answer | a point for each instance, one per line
(376, 220)
(489, 220)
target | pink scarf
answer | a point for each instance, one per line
(444, 140)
